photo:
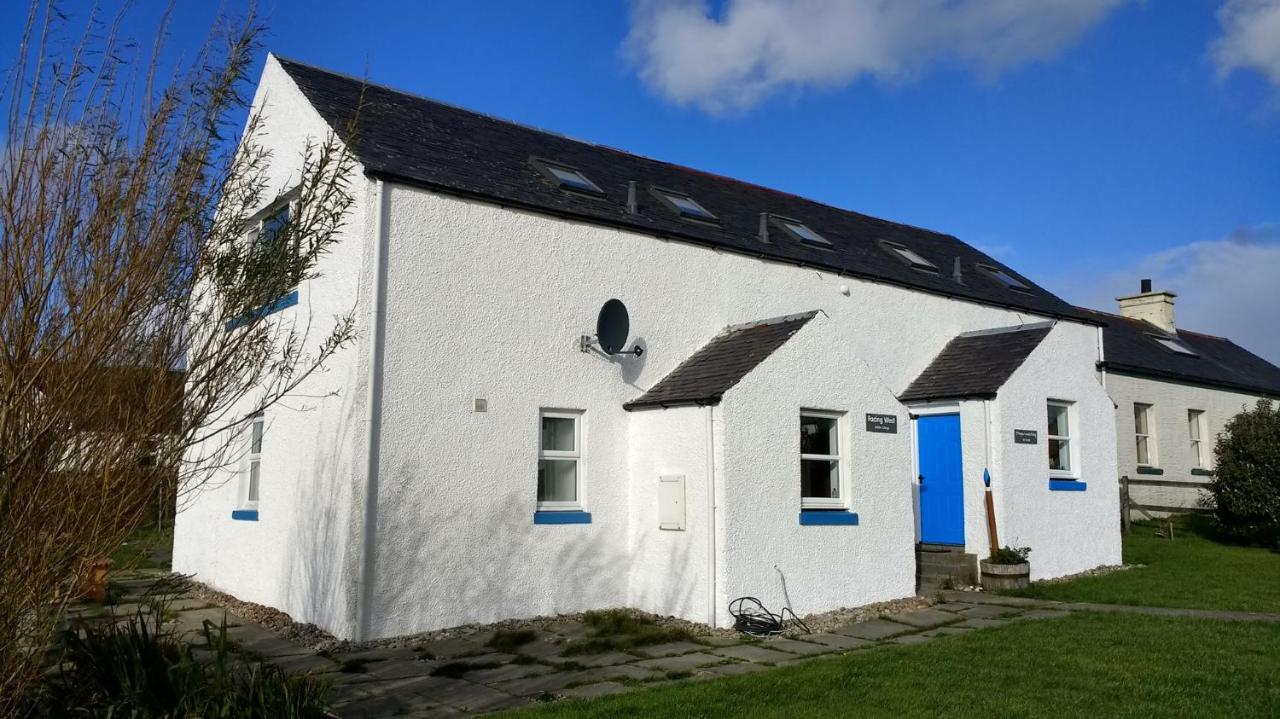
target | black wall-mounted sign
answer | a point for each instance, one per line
(884, 423)
(1025, 436)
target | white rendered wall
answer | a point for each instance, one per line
(1068, 532)
(1170, 402)
(489, 302)
(299, 556)
(767, 552)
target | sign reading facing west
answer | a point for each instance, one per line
(885, 423)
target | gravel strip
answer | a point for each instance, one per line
(312, 636)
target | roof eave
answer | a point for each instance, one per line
(1189, 379)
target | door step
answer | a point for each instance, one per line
(941, 566)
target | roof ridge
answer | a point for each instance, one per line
(1177, 330)
(611, 148)
(1047, 324)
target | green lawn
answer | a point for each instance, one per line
(1195, 570)
(147, 548)
(1082, 665)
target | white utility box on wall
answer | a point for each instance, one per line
(671, 502)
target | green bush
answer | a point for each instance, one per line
(1010, 555)
(136, 669)
(1246, 488)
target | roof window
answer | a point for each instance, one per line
(1005, 277)
(800, 231)
(683, 205)
(565, 177)
(913, 259)
(1174, 344)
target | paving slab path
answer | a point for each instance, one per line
(465, 676)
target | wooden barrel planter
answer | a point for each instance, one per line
(1005, 577)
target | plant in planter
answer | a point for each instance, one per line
(1007, 569)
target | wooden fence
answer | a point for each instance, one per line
(1127, 505)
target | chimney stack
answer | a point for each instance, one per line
(1153, 307)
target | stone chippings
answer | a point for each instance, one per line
(399, 676)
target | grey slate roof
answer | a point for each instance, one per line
(1129, 348)
(440, 147)
(975, 365)
(707, 374)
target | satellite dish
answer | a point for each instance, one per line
(613, 325)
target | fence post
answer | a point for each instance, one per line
(1124, 504)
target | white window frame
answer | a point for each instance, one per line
(577, 455)
(253, 227)
(840, 457)
(1195, 418)
(1071, 438)
(1153, 456)
(253, 459)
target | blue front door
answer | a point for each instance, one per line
(941, 494)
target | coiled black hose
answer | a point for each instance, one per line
(750, 617)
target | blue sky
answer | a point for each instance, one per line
(1087, 143)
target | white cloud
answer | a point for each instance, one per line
(1250, 38)
(755, 48)
(1228, 287)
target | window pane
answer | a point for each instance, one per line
(558, 480)
(820, 478)
(1196, 459)
(818, 435)
(1193, 424)
(557, 434)
(572, 178)
(806, 234)
(274, 225)
(1060, 455)
(1144, 455)
(1058, 421)
(253, 481)
(1140, 418)
(255, 445)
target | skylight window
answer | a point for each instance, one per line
(684, 205)
(914, 259)
(800, 231)
(566, 178)
(1174, 345)
(1005, 277)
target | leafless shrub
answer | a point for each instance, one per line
(125, 257)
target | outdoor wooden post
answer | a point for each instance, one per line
(1124, 504)
(991, 513)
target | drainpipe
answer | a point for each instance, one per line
(711, 516)
(373, 413)
(1102, 359)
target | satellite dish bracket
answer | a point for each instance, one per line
(590, 343)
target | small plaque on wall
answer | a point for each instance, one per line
(884, 423)
(1025, 436)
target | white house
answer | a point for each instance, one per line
(1174, 390)
(819, 397)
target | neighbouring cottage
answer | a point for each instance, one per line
(1175, 390)
(819, 400)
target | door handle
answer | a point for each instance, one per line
(920, 477)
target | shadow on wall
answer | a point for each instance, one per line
(315, 551)
(441, 564)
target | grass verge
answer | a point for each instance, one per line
(1081, 665)
(1197, 569)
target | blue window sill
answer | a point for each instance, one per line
(245, 515)
(572, 517)
(288, 300)
(828, 518)
(1067, 485)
